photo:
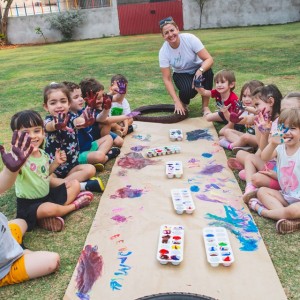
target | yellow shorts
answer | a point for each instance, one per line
(17, 271)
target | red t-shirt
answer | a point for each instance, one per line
(232, 99)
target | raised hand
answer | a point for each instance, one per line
(106, 102)
(122, 87)
(91, 100)
(61, 121)
(235, 117)
(263, 123)
(21, 149)
(278, 137)
(88, 116)
(198, 81)
(240, 106)
(222, 107)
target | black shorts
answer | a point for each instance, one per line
(27, 208)
(184, 82)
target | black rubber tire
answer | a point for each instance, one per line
(167, 119)
(176, 296)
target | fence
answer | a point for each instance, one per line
(38, 7)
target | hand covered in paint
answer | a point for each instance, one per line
(61, 121)
(235, 117)
(263, 124)
(222, 107)
(21, 149)
(198, 81)
(106, 102)
(60, 156)
(122, 87)
(279, 136)
(91, 99)
(88, 118)
(133, 114)
(240, 106)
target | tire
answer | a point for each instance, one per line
(175, 296)
(167, 119)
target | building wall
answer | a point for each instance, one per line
(102, 22)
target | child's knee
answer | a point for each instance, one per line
(74, 184)
(54, 262)
(256, 179)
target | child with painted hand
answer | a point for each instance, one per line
(120, 105)
(237, 139)
(18, 265)
(62, 132)
(225, 97)
(284, 145)
(37, 203)
(99, 151)
(100, 102)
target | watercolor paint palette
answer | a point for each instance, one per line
(182, 201)
(170, 244)
(174, 169)
(217, 246)
(158, 151)
(176, 135)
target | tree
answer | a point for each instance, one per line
(201, 5)
(4, 19)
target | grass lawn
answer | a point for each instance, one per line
(268, 53)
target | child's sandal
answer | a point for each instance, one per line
(83, 199)
(252, 205)
(52, 223)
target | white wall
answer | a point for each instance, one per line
(102, 22)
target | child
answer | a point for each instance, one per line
(120, 105)
(102, 128)
(224, 95)
(237, 139)
(96, 152)
(284, 145)
(18, 265)
(267, 100)
(61, 132)
(37, 203)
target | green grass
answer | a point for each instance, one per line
(268, 53)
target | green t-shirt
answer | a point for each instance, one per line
(33, 181)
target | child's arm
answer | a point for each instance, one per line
(204, 92)
(60, 158)
(14, 160)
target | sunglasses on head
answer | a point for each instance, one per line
(165, 21)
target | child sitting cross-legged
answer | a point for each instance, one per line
(37, 203)
(16, 264)
(61, 132)
(284, 145)
(99, 151)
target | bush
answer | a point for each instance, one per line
(66, 22)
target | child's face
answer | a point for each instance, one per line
(37, 136)
(77, 102)
(246, 97)
(292, 136)
(260, 105)
(57, 103)
(99, 100)
(223, 86)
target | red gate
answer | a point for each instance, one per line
(143, 18)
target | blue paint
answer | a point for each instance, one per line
(209, 235)
(199, 134)
(240, 224)
(194, 188)
(207, 155)
(82, 296)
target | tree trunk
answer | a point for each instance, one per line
(4, 20)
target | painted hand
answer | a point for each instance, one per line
(91, 99)
(122, 87)
(61, 121)
(106, 102)
(21, 149)
(222, 107)
(133, 114)
(240, 106)
(278, 137)
(235, 117)
(88, 116)
(263, 123)
(198, 81)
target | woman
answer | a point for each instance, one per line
(185, 53)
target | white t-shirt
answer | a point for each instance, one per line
(288, 171)
(124, 105)
(10, 250)
(183, 59)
